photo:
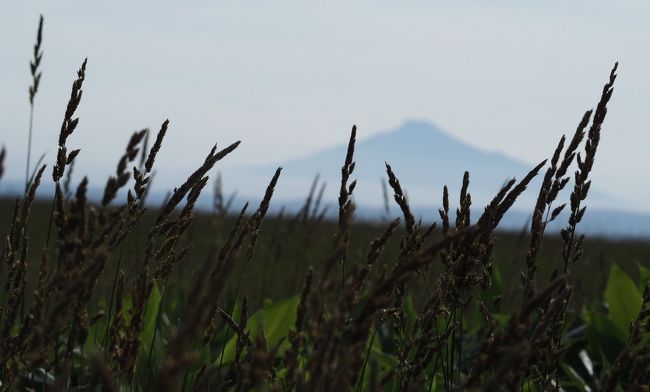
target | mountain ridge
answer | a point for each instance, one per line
(423, 156)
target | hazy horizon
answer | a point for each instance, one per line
(290, 79)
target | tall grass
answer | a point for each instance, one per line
(34, 67)
(164, 322)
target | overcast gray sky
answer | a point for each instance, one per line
(289, 78)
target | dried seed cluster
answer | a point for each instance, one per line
(86, 342)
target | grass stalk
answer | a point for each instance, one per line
(368, 353)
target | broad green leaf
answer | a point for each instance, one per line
(623, 298)
(220, 338)
(144, 370)
(606, 339)
(275, 318)
(151, 318)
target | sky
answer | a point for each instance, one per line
(291, 77)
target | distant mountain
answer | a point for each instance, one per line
(424, 158)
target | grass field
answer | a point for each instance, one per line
(113, 295)
(289, 245)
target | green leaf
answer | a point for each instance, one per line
(623, 298)
(438, 383)
(94, 339)
(96, 331)
(606, 339)
(644, 276)
(385, 362)
(411, 313)
(477, 322)
(151, 318)
(495, 289)
(275, 318)
(144, 370)
(576, 380)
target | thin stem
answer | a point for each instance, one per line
(158, 317)
(557, 367)
(365, 363)
(232, 310)
(29, 154)
(184, 381)
(110, 306)
(447, 376)
(460, 337)
(433, 372)
(49, 226)
(453, 352)
(29, 146)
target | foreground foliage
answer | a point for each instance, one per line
(355, 324)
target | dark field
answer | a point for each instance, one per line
(289, 245)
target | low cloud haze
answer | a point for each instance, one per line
(290, 78)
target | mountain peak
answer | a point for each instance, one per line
(424, 157)
(418, 128)
(418, 137)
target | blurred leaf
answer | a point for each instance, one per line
(276, 319)
(606, 339)
(221, 338)
(438, 383)
(576, 381)
(411, 313)
(145, 368)
(151, 317)
(97, 330)
(477, 321)
(529, 386)
(576, 334)
(96, 335)
(644, 276)
(385, 362)
(623, 298)
(495, 290)
(501, 318)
